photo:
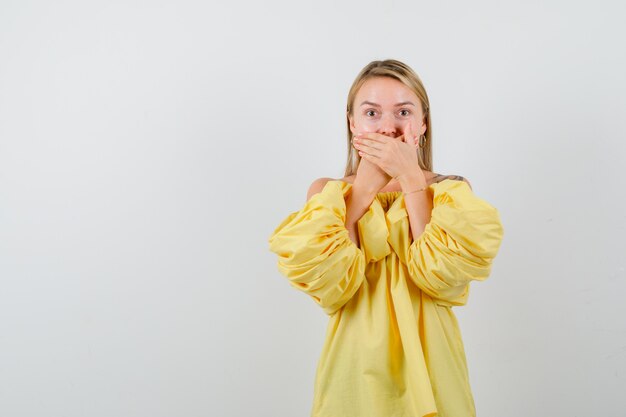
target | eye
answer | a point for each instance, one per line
(406, 110)
(367, 112)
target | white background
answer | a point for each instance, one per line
(148, 150)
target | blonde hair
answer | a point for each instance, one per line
(403, 73)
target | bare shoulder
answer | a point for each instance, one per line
(440, 178)
(317, 186)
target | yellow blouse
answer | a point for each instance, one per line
(393, 347)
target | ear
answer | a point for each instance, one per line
(351, 123)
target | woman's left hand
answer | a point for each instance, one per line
(396, 156)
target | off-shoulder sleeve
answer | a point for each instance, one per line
(457, 246)
(315, 252)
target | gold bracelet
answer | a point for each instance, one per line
(422, 189)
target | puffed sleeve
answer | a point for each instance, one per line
(315, 252)
(457, 246)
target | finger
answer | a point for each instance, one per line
(368, 156)
(372, 151)
(355, 137)
(375, 137)
(372, 148)
(369, 145)
(406, 137)
(411, 139)
(358, 139)
(412, 135)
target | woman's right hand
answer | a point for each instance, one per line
(370, 177)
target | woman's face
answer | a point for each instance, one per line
(385, 105)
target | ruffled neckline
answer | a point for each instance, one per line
(385, 224)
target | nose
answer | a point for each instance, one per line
(387, 126)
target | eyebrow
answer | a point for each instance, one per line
(378, 105)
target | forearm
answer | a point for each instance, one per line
(358, 202)
(419, 205)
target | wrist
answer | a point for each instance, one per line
(363, 192)
(413, 181)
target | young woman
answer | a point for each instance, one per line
(386, 252)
